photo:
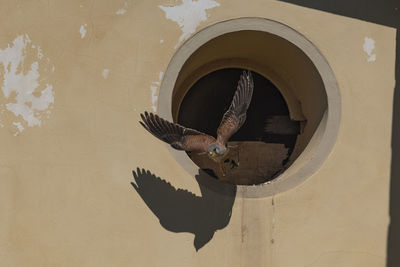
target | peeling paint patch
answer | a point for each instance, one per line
(188, 15)
(154, 97)
(122, 11)
(19, 127)
(1, 112)
(153, 88)
(82, 30)
(39, 53)
(369, 46)
(24, 94)
(105, 73)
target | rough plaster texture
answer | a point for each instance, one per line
(65, 192)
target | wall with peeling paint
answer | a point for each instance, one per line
(75, 75)
(26, 96)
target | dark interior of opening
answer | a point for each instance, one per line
(263, 144)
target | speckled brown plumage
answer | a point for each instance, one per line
(235, 116)
(177, 136)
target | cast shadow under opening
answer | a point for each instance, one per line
(182, 211)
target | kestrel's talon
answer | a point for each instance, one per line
(221, 166)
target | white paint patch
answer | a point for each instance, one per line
(154, 97)
(122, 11)
(105, 73)
(372, 58)
(153, 88)
(25, 95)
(19, 127)
(188, 15)
(161, 41)
(369, 46)
(1, 112)
(39, 53)
(82, 30)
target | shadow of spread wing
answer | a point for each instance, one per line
(235, 116)
(177, 136)
(166, 202)
(179, 210)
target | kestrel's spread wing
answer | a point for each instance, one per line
(177, 136)
(235, 116)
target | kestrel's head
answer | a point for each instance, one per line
(215, 150)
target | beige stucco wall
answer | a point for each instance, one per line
(65, 193)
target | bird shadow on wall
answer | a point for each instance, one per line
(182, 211)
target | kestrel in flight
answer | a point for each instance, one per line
(182, 138)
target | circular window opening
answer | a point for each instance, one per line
(293, 120)
(261, 147)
